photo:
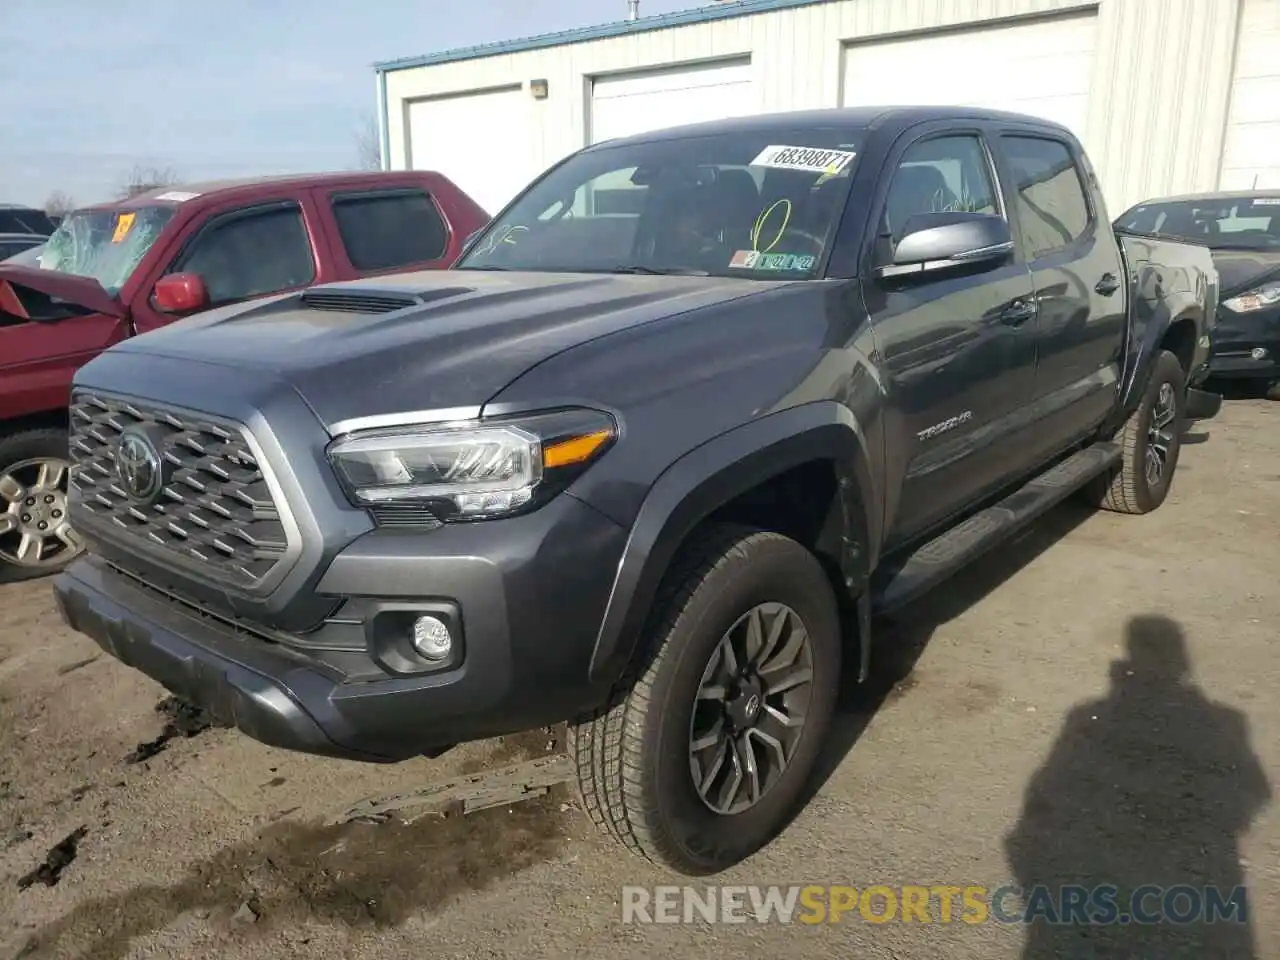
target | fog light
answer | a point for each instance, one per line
(431, 638)
(1258, 353)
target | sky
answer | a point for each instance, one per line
(222, 88)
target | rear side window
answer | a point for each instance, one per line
(390, 228)
(1052, 207)
(22, 220)
(251, 254)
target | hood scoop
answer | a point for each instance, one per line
(356, 300)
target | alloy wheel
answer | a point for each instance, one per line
(34, 530)
(1160, 434)
(751, 708)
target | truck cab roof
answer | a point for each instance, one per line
(246, 188)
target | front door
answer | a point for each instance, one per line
(957, 349)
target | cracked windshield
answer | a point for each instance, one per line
(105, 245)
(735, 205)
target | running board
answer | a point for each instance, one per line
(943, 556)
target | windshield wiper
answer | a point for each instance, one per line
(480, 266)
(658, 271)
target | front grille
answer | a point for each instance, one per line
(214, 507)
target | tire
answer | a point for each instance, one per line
(1273, 390)
(21, 456)
(1129, 488)
(634, 763)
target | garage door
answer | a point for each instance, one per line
(472, 140)
(633, 103)
(1251, 154)
(1042, 68)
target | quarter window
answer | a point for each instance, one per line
(1052, 207)
(252, 254)
(386, 230)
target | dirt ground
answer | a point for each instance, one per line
(1094, 704)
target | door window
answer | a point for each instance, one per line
(251, 254)
(938, 175)
(390, 229)
(1052, 207)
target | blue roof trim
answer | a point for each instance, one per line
(680, 18)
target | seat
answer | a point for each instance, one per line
(737, 204)
(916, 189)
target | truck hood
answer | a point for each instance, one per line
(1241, 270)
(437, 340)
(82, 291)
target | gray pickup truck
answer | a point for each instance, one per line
(682, 418)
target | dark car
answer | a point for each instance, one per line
(1242, 232)
(27, 221)
(694, 406)
(12, 244)
(122, 269)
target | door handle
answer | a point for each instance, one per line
(1018, 312)
(1107, 285)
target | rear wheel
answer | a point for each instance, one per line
(699, 762)
(1152, 440)
(35, 535)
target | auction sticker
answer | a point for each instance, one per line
(123, 226)
(809, 159)
(178, 196)
(754, 260)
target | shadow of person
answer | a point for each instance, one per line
(1146, 790)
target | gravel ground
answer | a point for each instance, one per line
(1088, 705)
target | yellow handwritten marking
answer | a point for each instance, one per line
(763, 219)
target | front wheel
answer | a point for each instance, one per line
(35, 535)
(697, 765)
(1151, 440)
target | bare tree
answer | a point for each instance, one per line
(59, 204)
(368, 146)
(142, 179)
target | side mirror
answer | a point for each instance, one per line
(942, 241)
(180, 293)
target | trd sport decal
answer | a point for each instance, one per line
(928, 433)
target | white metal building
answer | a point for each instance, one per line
(1168, 96)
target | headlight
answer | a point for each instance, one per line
(1263, 296)
(474, 469)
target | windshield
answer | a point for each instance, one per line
(1248, 223)
(105, 245)
(757, 205)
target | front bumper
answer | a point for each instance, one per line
(530, 592)
(1238, 336)
(1237, 361)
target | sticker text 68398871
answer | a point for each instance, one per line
(810, 159)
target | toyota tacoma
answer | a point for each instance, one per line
(689, 412)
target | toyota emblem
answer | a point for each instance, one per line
(138, 466)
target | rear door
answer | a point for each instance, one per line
(385, 229)
(1079, 283)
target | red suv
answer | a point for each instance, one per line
(122, 269)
